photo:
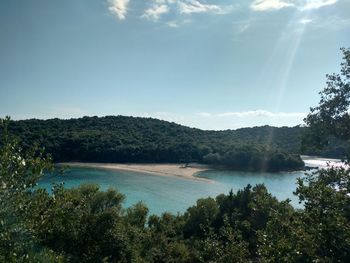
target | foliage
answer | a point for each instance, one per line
(318, 233)
(331, 117)
(19, 172)
(85, 224)
(255, 158)
(146, 140)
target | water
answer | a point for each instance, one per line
(323, 162)
(175, 194)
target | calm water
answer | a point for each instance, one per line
(175, 194)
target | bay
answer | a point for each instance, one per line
(173, 194)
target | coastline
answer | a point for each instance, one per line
(169, 170)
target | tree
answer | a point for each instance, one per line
(318, 233)
(331, 117)
(321, 231)
(19, 173)
(144, 140)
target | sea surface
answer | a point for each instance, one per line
(173, 194)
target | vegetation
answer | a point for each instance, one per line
(331, 118)
(87, 225)
(141, 140)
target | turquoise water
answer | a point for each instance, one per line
(174, 194)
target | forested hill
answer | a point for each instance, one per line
(134, 139)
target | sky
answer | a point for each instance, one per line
(215, 65)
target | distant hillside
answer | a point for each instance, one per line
(134, 139)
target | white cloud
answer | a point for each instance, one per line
(181, 8)
(234, 120)
(119, 8)
(268, 5)
(315, 4)
(255, 113)
(230, 120)
(155, 12)
(194, 6)
(177, 23)
(173, 24)
(305, 21)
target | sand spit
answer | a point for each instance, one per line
(177, 170)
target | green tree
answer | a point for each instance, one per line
(19, 172)
(331, 117)
(318, 233)
(321, 231)
(199, 218)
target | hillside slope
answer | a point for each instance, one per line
(134, 139)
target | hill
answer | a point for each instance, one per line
(148, 140)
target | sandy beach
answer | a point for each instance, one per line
(176, 170)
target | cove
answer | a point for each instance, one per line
(173, 194)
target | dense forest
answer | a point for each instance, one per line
(146, 140)
(131, 139)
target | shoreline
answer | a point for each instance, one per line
(168, 170)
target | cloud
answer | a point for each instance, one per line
(119, 8)
(266, 5)
(239, 119)
(173, 24)
(269, 5)
(177, 8)
(305, 21)
(255, 113)
(177, 23)
(315, 4)
(181, 10)
(155, 12)
(230, 120)
(194, 6)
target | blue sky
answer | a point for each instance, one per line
(207, 64)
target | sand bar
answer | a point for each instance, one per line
(172, 170)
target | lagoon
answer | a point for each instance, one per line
(173, 194)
